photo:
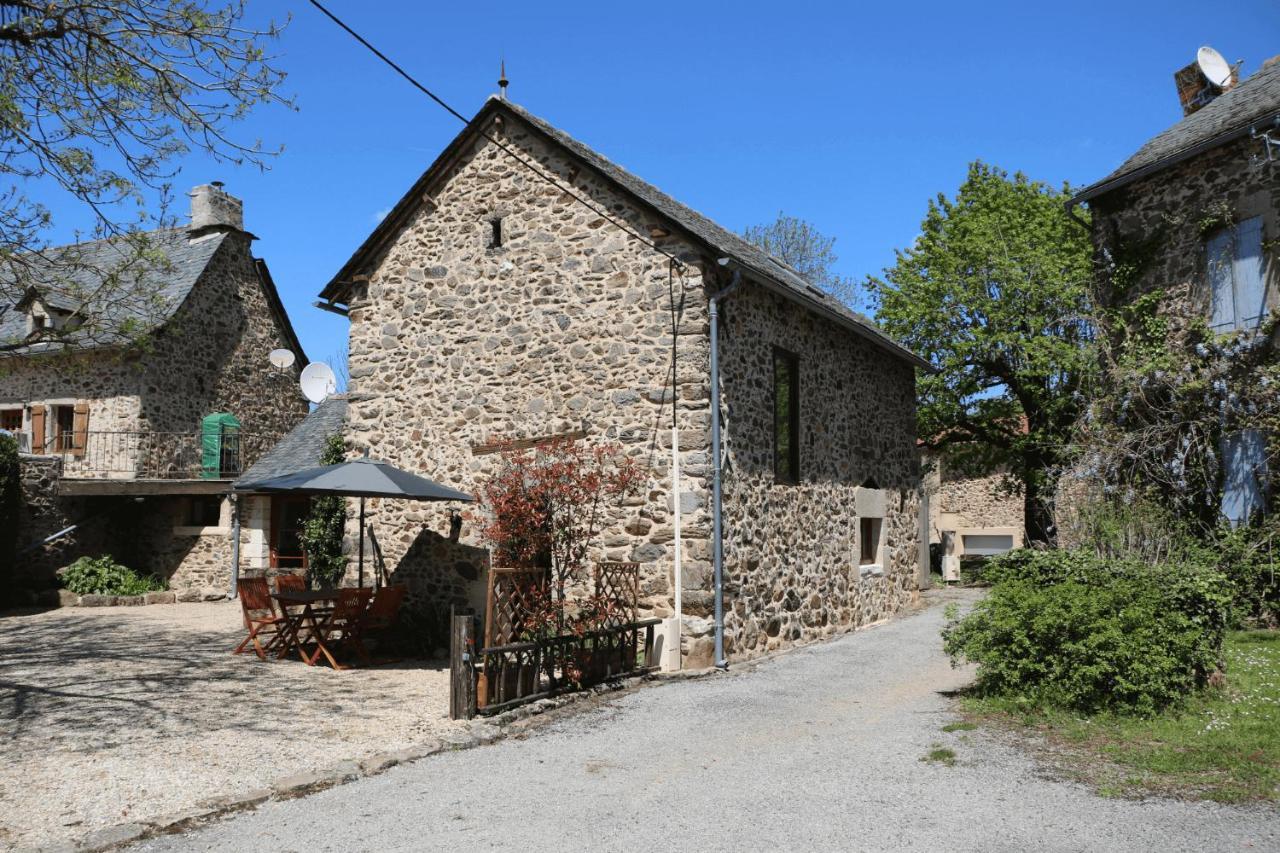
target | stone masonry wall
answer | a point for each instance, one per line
(791, 565)
(1174, 204)
(566, 326)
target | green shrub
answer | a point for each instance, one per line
(1248, 556)
(1069, 629)
(325, 525)
(10, 498)
(104, 576)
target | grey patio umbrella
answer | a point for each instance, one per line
(358, 478)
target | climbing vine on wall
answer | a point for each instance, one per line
(1171, 388)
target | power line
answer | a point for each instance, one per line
(622, 226)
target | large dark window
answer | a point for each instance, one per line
(786, 416)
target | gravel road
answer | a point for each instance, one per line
(820, 748)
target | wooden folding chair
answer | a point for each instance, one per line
(382, 614)
(260, 617)
(343, 622)
(292, 583)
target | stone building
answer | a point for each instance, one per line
(492, 305)
(1203, 196)
(136, 445)
(969, 515)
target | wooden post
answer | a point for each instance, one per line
(462, 683)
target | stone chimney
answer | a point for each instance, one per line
(213, 209)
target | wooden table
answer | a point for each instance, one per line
(304, 623)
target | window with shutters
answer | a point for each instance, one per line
(1234, 269)
(1244, 475)
(68, 428)
(11, 419)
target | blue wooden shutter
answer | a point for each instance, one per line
(1219, 263)
(1244, 465)
(1251, 294)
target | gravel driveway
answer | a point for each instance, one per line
(110, 715)
(817, 749)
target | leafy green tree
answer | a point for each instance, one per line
(98, 100)
(995, 292)
(808, 251)
(323, 530)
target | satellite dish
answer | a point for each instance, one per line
(318, 381)
(282, 358)
(1214, 68)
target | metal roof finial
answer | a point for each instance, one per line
(502, 80)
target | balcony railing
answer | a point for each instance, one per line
(125, 455)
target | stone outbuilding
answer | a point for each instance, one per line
(134, 372)
(969, 515)
(526, 288)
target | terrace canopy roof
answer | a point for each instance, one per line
(357, 478)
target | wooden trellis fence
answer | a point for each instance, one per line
(508, 670)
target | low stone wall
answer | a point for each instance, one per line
(67, 598)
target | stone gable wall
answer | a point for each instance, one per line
(792, 571)
(566, 326)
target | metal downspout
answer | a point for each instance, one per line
(235, 544)
(717, 531)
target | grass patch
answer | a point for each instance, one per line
(965, 726)
(940, 755)
(1223, 744)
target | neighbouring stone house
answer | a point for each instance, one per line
(492, 306)
(1204, 196)
(969, 515)
(136, 445)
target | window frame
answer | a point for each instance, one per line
(792, 362)
(10, 411)
(62, 439)
(195, 519)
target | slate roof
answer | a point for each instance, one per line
(759, 265)
(301, 448)
(1255, 101)
(148, 293)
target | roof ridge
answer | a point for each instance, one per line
(1226, 116)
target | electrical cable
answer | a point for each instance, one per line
(619, 224)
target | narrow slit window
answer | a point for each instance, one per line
(869, 538)
(495, 233)
(786, 417)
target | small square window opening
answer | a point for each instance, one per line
(204, 511)
(869, 541)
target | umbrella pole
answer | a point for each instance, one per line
(360, 559)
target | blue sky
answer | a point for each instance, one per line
(851, 118)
